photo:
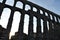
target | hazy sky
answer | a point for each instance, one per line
(52, 5)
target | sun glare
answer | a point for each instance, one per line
(11, 34)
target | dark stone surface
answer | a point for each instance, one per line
(54, 26)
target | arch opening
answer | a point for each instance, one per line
(26, 23)
(55, 18)
(48, 25)
(1, 1)
(41, 12)
(19, 4)
(34, 24)
(10, 2)
(27, 7)
(5, 17)
(46, 13)
(51, 17)
(42, 26)
(15, 24)
(34, 9)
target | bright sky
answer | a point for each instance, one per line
(52, 5)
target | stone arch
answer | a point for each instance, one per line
(4, 17)
(10, 2)
(34, 9)
(27, 7)
(19, 4)
(41, 12)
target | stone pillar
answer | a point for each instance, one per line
(23, 0)
(21, 24)
(45, 29)
(51, 31)
(1, 10)
(39, 34)
(4, 1)
(30, 29)
(57, 19)
(15, 1)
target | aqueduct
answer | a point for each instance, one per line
(49, 19)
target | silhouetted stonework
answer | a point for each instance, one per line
(2, 32)
(49, 18)
(15, 37)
